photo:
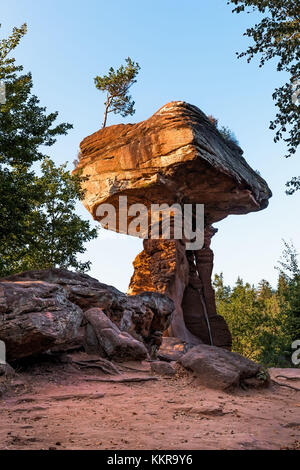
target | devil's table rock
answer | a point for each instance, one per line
(40, 310)
(175, 157)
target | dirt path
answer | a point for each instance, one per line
(56, 407)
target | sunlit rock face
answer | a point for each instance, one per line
(177, 156)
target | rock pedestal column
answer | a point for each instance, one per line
(185, 276)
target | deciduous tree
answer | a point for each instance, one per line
(277, 36)
(55, 234)
(34, 211)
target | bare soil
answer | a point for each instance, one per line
(63, 406)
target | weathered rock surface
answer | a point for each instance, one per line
(172, 349)
(34, 316)
(184, 276)
(162, 368)
(177, 156)
(44, 309)
(218, 368)
(105, 338)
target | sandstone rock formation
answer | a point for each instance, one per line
(172, 349)
(175, 157)
(104, 337)
(218, 368)
(34, 316)
(44, 309)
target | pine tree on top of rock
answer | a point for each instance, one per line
(117, 84)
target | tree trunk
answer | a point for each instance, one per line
(105, 113)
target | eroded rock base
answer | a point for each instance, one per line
(166, 266)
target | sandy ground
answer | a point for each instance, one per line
(59, 406)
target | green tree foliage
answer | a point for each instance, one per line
(277, 36)
(116, 85)
(24, 198)
(290, 274)
(264, 290)
(24, 125)
(54, 233)
(289, 266)
(293, 185)
(264, 322)
(8, 67)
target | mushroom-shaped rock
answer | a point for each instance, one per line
(175, 157)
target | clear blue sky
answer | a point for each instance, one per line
(187, 52)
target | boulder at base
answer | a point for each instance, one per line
(218, 368)
(104, 337)
(34, 316)
(41, 310)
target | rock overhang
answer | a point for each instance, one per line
(175, 156)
